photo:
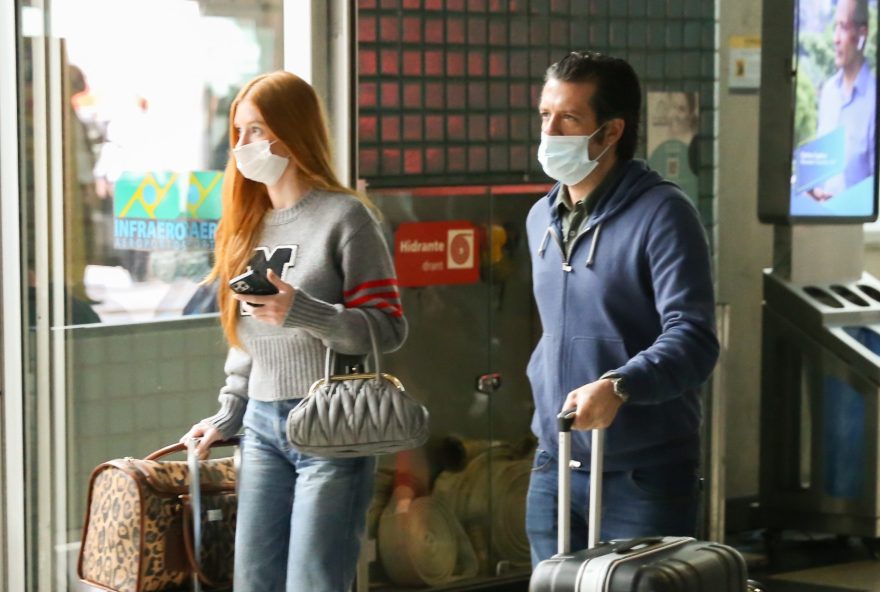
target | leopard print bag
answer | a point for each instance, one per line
(137, 535)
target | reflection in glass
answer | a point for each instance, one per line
(866, 336)
(844, 438)
(147, 93)
(124, 119)
(844, 426)
(453, 513)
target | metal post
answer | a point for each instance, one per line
(718, 433)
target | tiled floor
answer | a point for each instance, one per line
(807, 562)
(858, 575)
(798, 562)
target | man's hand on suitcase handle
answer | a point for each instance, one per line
(596, 404)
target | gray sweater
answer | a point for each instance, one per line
(330, 248)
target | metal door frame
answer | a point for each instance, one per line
(12, 529)
(329, 64)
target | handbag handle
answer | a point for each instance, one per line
(180, 447)
(375, 343)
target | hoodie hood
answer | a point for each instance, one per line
(635, 179)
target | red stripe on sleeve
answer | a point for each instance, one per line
(391, 309)
(376, 295)
(370, 284)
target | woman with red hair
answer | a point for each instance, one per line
(285, 215)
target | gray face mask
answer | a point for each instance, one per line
(567, 158)
(256, 162)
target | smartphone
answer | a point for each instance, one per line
(252, 282)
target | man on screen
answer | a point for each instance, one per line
(848, 99)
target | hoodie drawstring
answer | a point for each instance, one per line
(593, 245)
(543, 246)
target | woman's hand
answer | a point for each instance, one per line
(274, 308)
(206, 434)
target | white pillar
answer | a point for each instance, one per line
(320, 47)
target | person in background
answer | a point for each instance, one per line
(285, 214)
(848, 99)
(623, 285)
(79, 203)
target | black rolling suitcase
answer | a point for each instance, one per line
(650, 564)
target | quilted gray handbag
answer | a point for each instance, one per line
(357, 414)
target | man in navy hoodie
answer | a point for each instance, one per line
(622, 280)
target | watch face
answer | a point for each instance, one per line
(619, 388)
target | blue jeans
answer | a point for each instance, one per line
(650, 501)
(300, 517)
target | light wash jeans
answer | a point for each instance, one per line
(300, 517)
(651, 501)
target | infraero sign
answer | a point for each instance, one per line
(166, 211)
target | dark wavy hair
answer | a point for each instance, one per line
(618, 93)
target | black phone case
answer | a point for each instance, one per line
(251, 282)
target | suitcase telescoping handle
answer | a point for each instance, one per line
(195, 496)
(195, 492)
(597, 453)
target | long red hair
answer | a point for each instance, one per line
(291, 109)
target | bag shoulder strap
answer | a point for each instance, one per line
(328, 359)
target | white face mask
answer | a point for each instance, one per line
(256, 162)
(567, 158)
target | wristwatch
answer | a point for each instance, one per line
(619, 385)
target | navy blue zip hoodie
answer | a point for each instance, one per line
(635, 297)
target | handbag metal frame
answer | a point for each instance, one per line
(300, 428)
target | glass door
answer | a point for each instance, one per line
(123, 122)
(447, 135)
(454, 511)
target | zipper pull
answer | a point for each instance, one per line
(566, 267)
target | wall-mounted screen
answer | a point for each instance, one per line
(828, 174)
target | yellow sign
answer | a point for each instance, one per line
(744, 68)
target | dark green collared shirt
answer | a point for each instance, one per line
(574, 216)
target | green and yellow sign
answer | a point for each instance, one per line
(167, 211)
